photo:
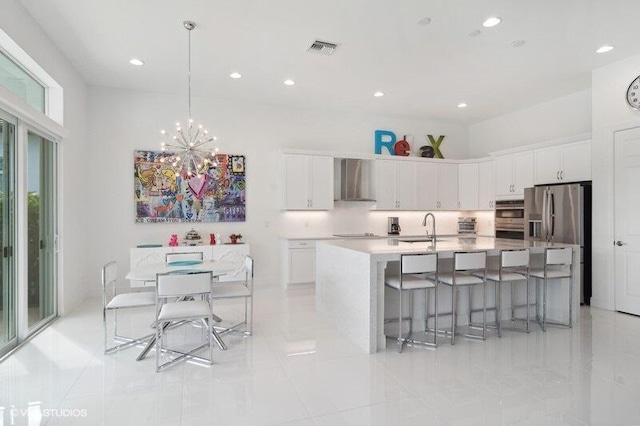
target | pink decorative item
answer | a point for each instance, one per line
(173, 242)
(212, 239)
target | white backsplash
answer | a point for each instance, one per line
(357, 218)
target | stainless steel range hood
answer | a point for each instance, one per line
(355, 179)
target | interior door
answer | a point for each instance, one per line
(627, 225)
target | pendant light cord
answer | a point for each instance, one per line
(189, 30)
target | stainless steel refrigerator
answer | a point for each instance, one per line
(562, 214)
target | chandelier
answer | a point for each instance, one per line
(187, 148)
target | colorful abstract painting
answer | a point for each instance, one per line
(162, 196)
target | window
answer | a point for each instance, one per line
(20, 83)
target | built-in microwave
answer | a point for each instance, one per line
(510, 219)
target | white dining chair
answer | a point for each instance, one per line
(177, 301)
(187, 256)
(242, 289)
(112, 302)
(417, 272)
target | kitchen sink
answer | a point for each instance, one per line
(421, 240)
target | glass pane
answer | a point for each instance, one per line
(40, 229)
(17, 81)
(7, 282)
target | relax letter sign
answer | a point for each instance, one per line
(388, 140)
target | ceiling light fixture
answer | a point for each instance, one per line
(136, 62)
(235, 75)
(491, 22)
(604, 49)
(462, 105)
(517, 43)
(186, 149)
(378, 94)
(424, 21)
(289, 82)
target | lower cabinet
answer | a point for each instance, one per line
(299, 262)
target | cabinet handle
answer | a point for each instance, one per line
(561, 173)
(458, 204)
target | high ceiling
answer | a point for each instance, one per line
(384, 45)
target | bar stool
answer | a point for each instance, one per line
(465, 264)
(417, 272)
(558, 265)
(514, 267)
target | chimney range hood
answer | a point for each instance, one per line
(355, 177)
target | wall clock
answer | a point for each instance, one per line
(633, 94)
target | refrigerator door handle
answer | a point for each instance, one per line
(544, 215)
(552, 213)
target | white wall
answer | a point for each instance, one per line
(122, 121)
(19, 25)
(610, 112)
(561, 117)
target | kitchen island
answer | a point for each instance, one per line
(350, 290)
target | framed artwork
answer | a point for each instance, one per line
(217, 194)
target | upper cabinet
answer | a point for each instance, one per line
(563, 163)
(447, 186)
(395, 185)
(468, 186)
(486, 185)
(514, 173)
(308, 182)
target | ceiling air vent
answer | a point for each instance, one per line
(322, 47)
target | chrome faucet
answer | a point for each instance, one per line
(433, 228)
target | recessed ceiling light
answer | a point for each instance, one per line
(517, 43)
(424, 21)
(604, 49)
(491, 22)
(136, 62)
(462, 105)
(378, 94)
(475, 33)
(235, 75)
(289, 82)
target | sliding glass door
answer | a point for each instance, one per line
(41, 289)
(8, 314)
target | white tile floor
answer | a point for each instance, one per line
(297, 370)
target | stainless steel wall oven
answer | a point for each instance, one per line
(510, 219)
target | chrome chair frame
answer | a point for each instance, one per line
(183, 291)
(109, 278)
(238, 290)
(555, 257)
(466, 272)
(419, 266)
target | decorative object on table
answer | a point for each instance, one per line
(426, 151)
(192, 238)
(234, 238)
(436, 145)
(212, 239)
(173, 241)
(187, 147)
(165, 195)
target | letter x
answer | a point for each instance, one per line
(436, 145)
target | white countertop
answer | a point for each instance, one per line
(446, 244)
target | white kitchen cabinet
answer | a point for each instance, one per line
(468, 185)
(486, 185)
(427, 186)
(308, 182)
(300, 262)
(395, 185)
(447, 186)
(563, 163)
(514, 173)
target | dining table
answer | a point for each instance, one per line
(148, 271)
